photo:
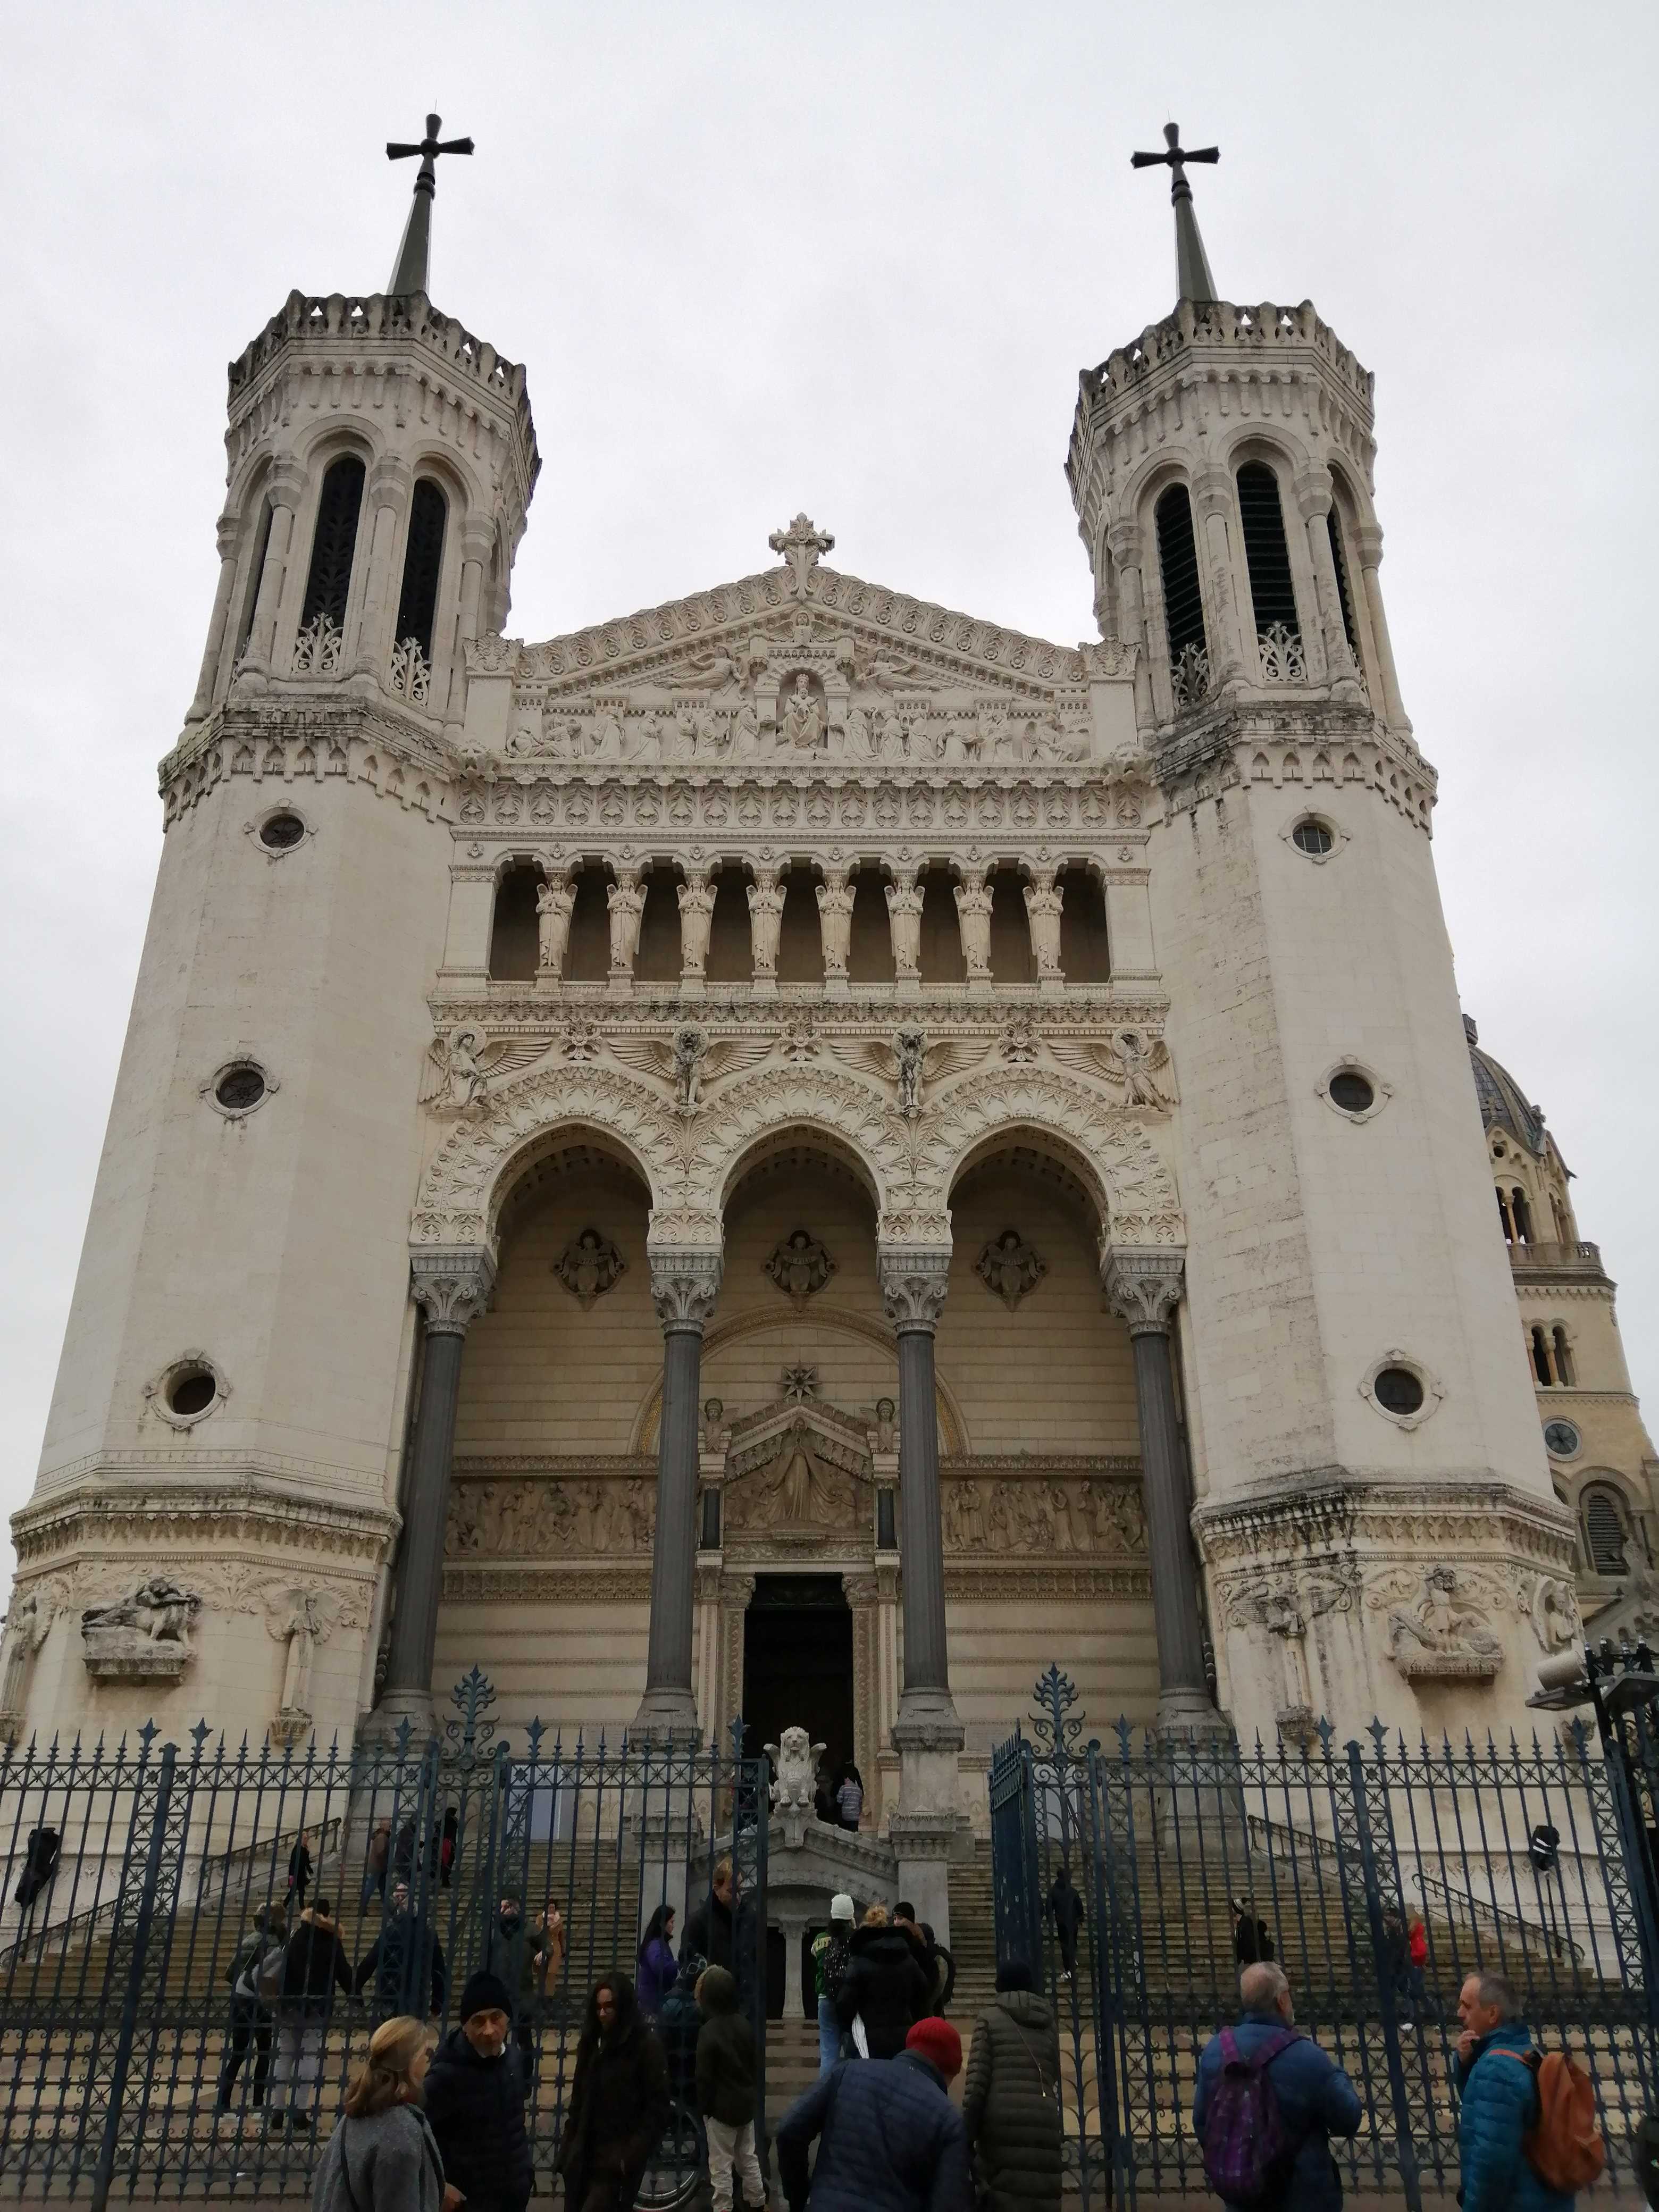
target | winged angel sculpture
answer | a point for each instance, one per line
(689, 1061)
(1138, 1065)
(910, 1063)
(459, 1066)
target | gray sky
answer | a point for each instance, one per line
(848, 258)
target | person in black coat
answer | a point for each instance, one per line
(298, 1871)
(885, 1985)
(39, 1864)
(1066, 1910)
(709, 1929)
(619, 2102)
(1251, 1941)
(474, 2093)
(314, 1965)
(678, 2025)
(405, 1963)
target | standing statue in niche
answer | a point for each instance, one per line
(834, 898)
(696, 904)
(554, 902)
(626, 905)
(803, 718)
(1043, 906)
(765, 898)
(746, 732)
(904, 910)
(974, 915)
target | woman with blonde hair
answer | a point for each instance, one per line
(382, 2157)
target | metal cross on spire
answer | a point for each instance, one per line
(410, 273)
(1192, 265)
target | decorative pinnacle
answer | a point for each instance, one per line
(802, 546)
(1192, 266)
(411, 271)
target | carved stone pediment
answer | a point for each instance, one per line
(797, 1471)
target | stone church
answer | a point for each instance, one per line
(802, 1154)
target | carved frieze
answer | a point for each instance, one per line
(538, 1518)
(1051, 1517)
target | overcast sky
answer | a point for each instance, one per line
(848, 258)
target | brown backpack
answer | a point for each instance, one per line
(1564, 2145)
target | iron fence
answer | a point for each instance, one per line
(1188, 1857)
(132, 1879)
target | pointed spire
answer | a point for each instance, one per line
(412, 271)
(1192, 264)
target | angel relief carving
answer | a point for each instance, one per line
(1136, 1065)
(910, 1063)
(1010, 1268)
(589, 1266)
(690, 1060)
(460, 1066)
(800, 1265)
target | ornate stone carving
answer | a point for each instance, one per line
(1010, 1268)
(904, 902)
(554, 902)
(800, 1266)
(802, 546)
(913, 1282)
(536, 1518)
(1438, 1624)
(797, 1493)
(684, 1287)
(589, 1266)
(144, 1637)
(1042, 904)
(765, 898)
(452, 1288)
(302, 1617)
(973, 903)
(27, 1625)
(625, 904)
(796, 1758)
(800, 1384)
(1136, 1066)
(1046, 1517)
(695, 897)
(1144, 1287)
(459, 1064)
(834, 903)
(1551, 1603)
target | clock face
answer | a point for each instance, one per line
(1560, 1439)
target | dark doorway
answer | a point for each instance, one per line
(797, 1664)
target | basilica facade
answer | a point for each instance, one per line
(799, 1154)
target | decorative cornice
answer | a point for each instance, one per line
(88, 1515)
(561, 1585)
(288, 742)
(1332, 1512)
(1040, 1580)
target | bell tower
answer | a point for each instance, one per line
(231, 1400)
(1356, 1400)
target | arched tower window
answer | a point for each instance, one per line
(418, 605)
(329, 584)
(1177, 565)
(1339, 561)
(1267, 553)
(1522, 1214)
(1540, 1358)
(1504, 1215)
(1606, 1535)
(1564, 1374)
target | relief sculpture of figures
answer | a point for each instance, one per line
(834, 899)
(746, 744)
(911, 1056)
(1043, 906)
(626, 905)
(697, 905)
(904, 909)
(803, 718)
(765, 898)
(554, 902)
(973, 911)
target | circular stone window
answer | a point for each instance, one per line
(1352, 1092)
(1561, 1439)
(240, 1089)
(1314, 837)
(281, 832)
(187, 1391)
(1398, 1391)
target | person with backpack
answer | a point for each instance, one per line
(1267, 2102)
(1527, 2138)
(831, 1956)
(250, 2018)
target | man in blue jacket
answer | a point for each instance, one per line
(890, 2138)
(1497, 2103)
(1316, 2100)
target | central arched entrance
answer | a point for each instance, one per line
(797, 1664)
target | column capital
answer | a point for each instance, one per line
(914, 1279)
(1368, 538)
(451, 1287)
(1144, 1287)
(1124, 541)
(683, 1286)
(1312, 488)
(286, 484)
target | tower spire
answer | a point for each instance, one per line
(1192, 265)
(412, 271)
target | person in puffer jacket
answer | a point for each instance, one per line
(890, 2139)
(1011, 2098)
(1497, 2103)
(884, 1985)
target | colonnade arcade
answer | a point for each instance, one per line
(671, 1361)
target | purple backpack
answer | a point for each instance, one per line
(1248, 2148)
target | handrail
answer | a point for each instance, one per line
(1500, 1915)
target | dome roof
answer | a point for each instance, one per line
(1503, 1104)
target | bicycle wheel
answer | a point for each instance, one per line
(674, 2174)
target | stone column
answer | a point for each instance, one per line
(1123, 542)
(1219, 541)
(285, 488)
(1313, 494)
(452, 1289)
(684, 1285)
(1369, 536)
(927, 1735)
(386, 496)
(219, 621)
(1145, 1288)
(449, 681)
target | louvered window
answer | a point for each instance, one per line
(1604, 1532)
(1341, 568)
(1267, 555)
(1178, 562)
(329, 584)
(418, 605)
